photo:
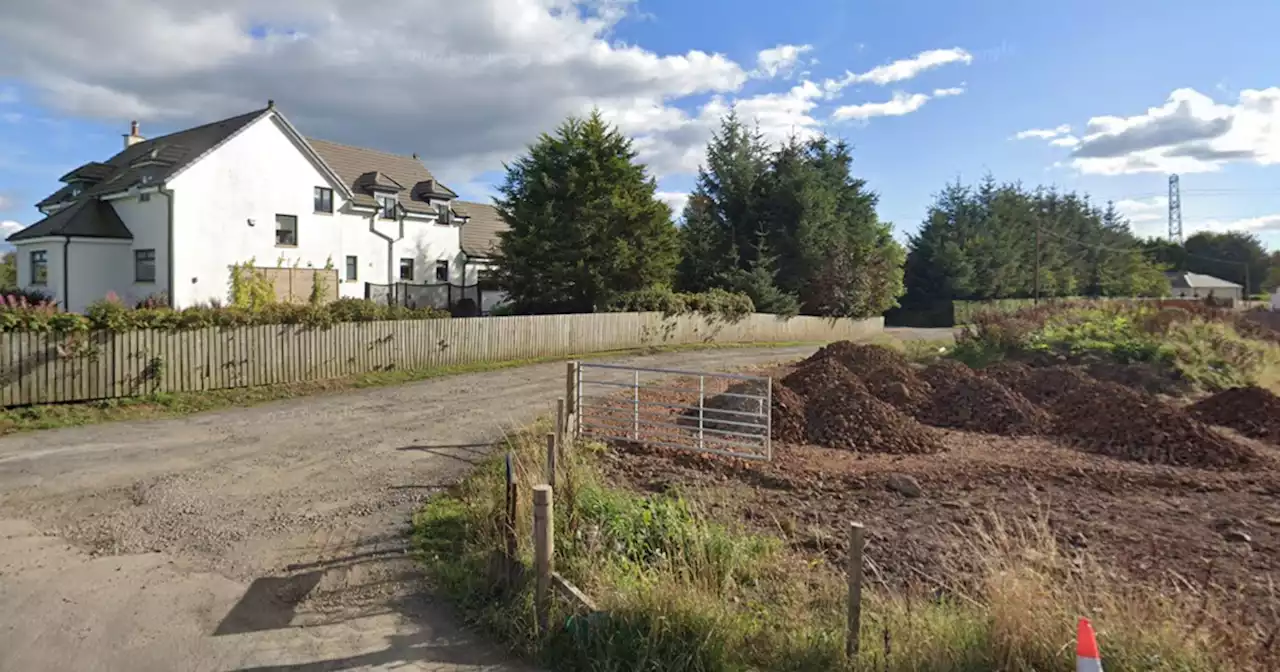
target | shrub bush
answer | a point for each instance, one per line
(1201, 344)
(18, 314)
(712, 303)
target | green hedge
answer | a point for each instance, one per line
(712, 303)
(18, 314)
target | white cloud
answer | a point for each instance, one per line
(1042, 133)
(901, 70)
(943, 93)
(467, 89)
(9, 227)
(1150, 217)
(1189, 133)
(1065, 141)
(900, 104)
(1142, 210)
(780, 60)
(5, 202)
(675, 199)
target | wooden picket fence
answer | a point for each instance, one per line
(40, 368)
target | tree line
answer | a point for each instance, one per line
(788, 227)
(793, 230)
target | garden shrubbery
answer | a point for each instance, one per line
(20, 314)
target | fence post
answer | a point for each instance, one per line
(855, 590)
(509, 527)
(552, 439)
(576, 411)
(768, 420)
(560, 421)
(543, 550)
(702, 389)
(635, 404)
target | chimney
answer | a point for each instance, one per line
(133, 138)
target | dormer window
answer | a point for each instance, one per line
(388, 205)
(76, 191)
(443, 214)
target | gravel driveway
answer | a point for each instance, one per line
(256, 539)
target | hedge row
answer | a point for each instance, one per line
(716, 303)
(17, 314)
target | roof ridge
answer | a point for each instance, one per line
(365, 149)
(253, 113)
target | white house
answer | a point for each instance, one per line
(170, 215)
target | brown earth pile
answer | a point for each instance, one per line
(1252, 411)
(1111, 419)
(788, 415)
(861, 357)
(816, 375)
(964, 399)
(1042, 386)
(897, 384)
(849, 417)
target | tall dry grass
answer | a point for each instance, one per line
(679, 592)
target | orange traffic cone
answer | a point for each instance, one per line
(1087, 658)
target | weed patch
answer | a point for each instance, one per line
(679, 592)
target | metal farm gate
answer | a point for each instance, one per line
(721, 413)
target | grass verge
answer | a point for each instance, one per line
(166, 404)
(677, 592)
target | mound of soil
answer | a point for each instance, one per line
(730, 411)
(1111, 419)
(861, 357)
(1042, 386)
(1252, 411)
(964, 399)
(897, 384)
(788, 415)
(850, 418)
(817, 375)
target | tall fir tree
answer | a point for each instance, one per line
(585, 223)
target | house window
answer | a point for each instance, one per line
(442, 213)
(324, 199)
(143, 198)
(39, 267)
(442, 271)
(388, 206)
(286, 231)
(406, 269)
(144, 265)
(352, 262)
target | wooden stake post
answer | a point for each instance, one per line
(509, 527)
(551, 459)
(561, 419)
(543, 551)
(855, 590)
(570, 402)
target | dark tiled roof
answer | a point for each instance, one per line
(147, 162)
(175, 151)
(90, 172)
(63, 194)
(353, 164)
(480, 233)
(86, 218)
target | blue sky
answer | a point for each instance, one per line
(1027, 66)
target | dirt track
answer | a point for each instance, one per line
(256, 539)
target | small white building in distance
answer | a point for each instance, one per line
(170, 216)
(1185, 285)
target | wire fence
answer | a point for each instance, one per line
(721, 413)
